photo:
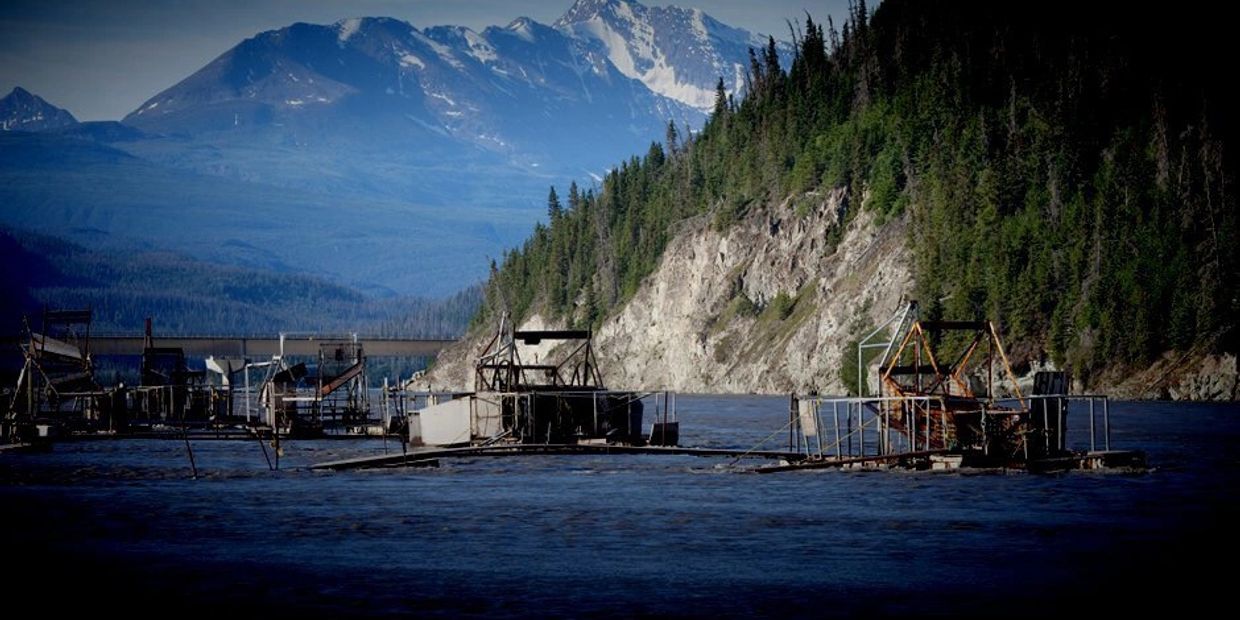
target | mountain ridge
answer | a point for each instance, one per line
(21, 110)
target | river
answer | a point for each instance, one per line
(120, 525)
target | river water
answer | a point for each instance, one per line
(119, 525)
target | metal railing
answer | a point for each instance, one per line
(872, 416)
(1094, 401)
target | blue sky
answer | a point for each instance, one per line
(101, 59)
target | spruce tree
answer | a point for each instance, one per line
(554, 210)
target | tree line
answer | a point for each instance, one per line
(190, 297)
(1063, 171)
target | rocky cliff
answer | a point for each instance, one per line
(769, 305)
(775, 304)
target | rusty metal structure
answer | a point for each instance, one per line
(330, 398)
(56, 389)
(343, 402)
(953, 397)
(945, 397)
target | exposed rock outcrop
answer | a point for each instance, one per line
(769, 305)
(1182, 376)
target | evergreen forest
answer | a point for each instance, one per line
(1062, 170)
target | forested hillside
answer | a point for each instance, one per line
(1058, 170)
(190, 297)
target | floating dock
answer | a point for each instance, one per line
(414, 456)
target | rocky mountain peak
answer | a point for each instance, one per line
(22, 110)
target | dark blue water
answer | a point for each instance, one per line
(118, 525)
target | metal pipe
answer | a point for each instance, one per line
(884, 436)
(1062, 420)
(835, 412)
(818, 429)
(791, 430)
(1092, 446)
(861, 426)
(850, 430)
(985, 443)
(912, 433)
(1106, 423)
(926, 444)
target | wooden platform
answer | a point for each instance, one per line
(1101, 459)
(399, 460)
(856, 461)
(1098, 460)
(24, 447)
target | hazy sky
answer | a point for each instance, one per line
(101, 59)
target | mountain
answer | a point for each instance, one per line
(20, 110)
(526, 92)
(676, 52)
(102, 196)
(995, 161)
(386, 157)
(190, 296)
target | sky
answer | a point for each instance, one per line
(101, 59)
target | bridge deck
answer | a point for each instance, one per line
(238, 346)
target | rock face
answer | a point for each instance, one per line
(715, 316)
(1181, 376)
(770, 305)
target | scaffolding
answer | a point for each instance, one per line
(932, 406)
(56, 388)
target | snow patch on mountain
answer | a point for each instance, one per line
(409, 60)
(480, 48)
(22, 110)
(346, 28)
(678, 53)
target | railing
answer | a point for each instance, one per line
(862, 426)
(1093, 400)
(805, 414)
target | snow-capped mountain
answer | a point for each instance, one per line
(525, 90)
(676, 52)
(22, 110)
(597, 86)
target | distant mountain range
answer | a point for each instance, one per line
(384, 156)
(21, 110)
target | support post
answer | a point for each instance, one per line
(1106, 423)
(835, 413)
(861, 426)
(1092, 444)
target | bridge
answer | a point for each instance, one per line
(257, 347)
